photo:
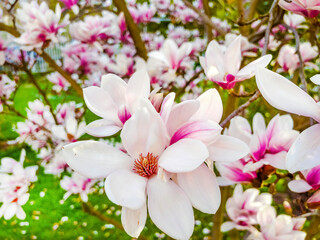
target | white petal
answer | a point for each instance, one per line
(228, 149)
(102, 128)
(95, 159)
(100, 103)
(285, 95)
(144, 133)
(299, 186)
(116, 87)
(248, 71)
(183, 156)
(211, 107)
(138, 87)
(202, 188)
(305, 151)
(126, 189)
(258, 123)
(316, 79)
(10, 211)
(233, 56)
(133, 221)
(181, 113)
(277, 160)
(170, 209)
(227, 226)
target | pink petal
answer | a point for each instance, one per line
(258, 123)
(95, 159)
(167, 106)
(133, 221)
(227, 149)
(277, 160)
(170, 208)
(144, 133)
(138, 87)
(205, 131)
(102, 128)
(285, 95)
(299, 186)
(183, 156)
(202, 188)
(126, 189)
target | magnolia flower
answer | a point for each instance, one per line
(70, 132)
(170, 55)
(140, 178)
(71, 4)
(77, 184)
(279, 227)
(307, 8)
(268, 146)
(95, 28)
(222, 65)
(7, 87)
(40, 24)
(14, 183)
(293, 20)
(243, 207)
(285, 95)
(60, 83)
(310, 180)
(115, 101)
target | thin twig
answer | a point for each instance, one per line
(269, 26)
(204, 18)
(241, 108)
(133, 29)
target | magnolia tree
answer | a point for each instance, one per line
(159, 119)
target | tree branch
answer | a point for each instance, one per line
(133, 29)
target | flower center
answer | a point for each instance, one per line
(146, 166)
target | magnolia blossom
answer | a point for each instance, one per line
(285, 95)
(293, 20)
(243, 207)
(14, 183)
(268, 146)
(307, 8)
(222, 65)
(71, 4)
(40, 24)
(131, 178)
(170, 58)
(95, 28)
(310, 180)
(289, 60)
(60, 83)
(115, 101)
(7, 87)
(77, 184)
(141, 13)
(274, 227)
(2, 51)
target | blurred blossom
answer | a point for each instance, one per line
(307, 8)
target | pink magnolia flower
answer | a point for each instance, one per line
(139, 178)
(60, 83)
(141, 13)
(7, 87)
(268, 146)
(285, 95)
(40, 24)
(71, 4)
(310, 180)
(115, 101)
(307, 8)
(289, 60)
(222, 65)
(77, 184)
(14, 183)
(95, 28)
(293, 20)
(243, 207)
(275, 227)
